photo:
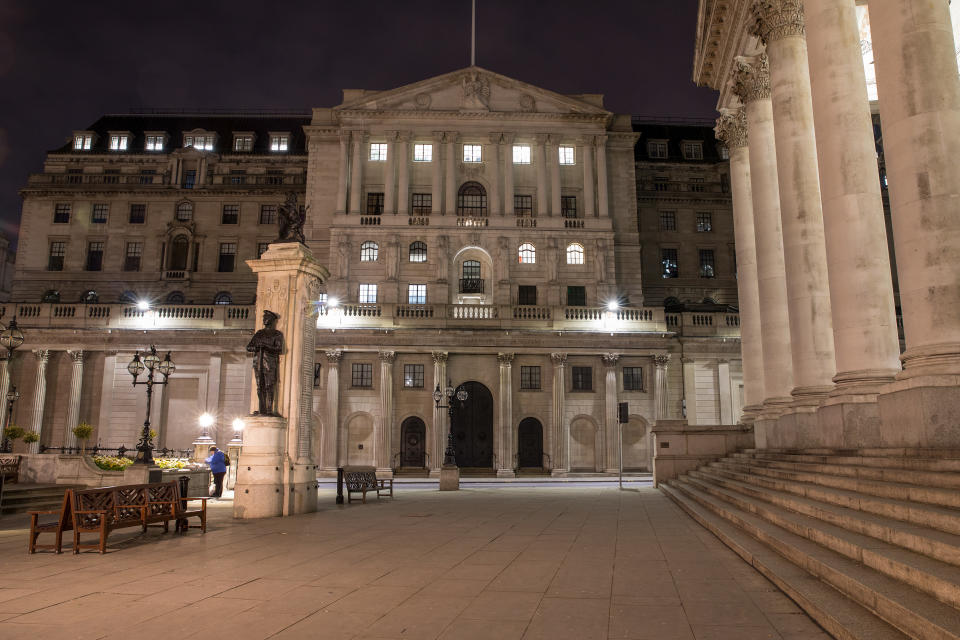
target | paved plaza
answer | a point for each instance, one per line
(497, 563)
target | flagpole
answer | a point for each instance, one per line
(473, 34)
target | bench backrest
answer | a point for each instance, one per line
(124, 502)
(9, 462)
(359, 479)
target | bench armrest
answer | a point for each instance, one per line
(100, 511)
(43, 513)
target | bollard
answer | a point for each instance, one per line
(184, 482)
(340, 485)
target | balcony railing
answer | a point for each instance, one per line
(471, 285)
(124, 316)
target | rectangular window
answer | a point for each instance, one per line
(94, 256)
(422, 204)
(656, 149)
(231, 214)
(423, 153)
(83, 142)
(118, 142)
(576, 296)
(138, 213)
(523, 206)
(268, 214)
(582, 378)
(530, 378)
(228, 257)
(378, 151)
(154, 143)
(99, 213)
(131, 261)
(724, 153)
(668, 258)
(527, 294)
(362, 375)
(661, 183)
(368, 294)
(199, 142)
(238, 176)
(633, 378)
(243, 143)
(472, 153)
(521, 154)
(262, 248)
(57, 251)
(279, 143)
(567, 155)
(706, 263)
(61, 212)
(697, 185)
(374, 204)
(413, 376)
(704, 221)
(692, 151)
(668, 221)
(189, 179)
(568, 206)
(417, 294)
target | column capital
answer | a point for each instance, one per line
(723, 361)
(661, 360)
(387, 357)
(42, 355)
(110, 352)
(391, 135)
(731, 129)
(508, 137)
(558, 359)
(496, 137)
(333, 356)
(359, 136)
(439, 357)
(438, 136)
(600, 141)
(541, 138)
(751, 78)
(404, 136)
(77, 355)
(610, 359)
(451, 137)
(776, 19)
(505, 359)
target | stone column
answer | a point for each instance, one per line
(589, 206)
(39, 397)
(440, 427)
(752, 85)
(436, 175)
(450, 151)
(540, 158)
(356, 172)
(553, 156)
(732, 130)
(331, 455)
(560, 434)
(5, 364)
(689, 389)
(383, 435)
(506, 149)
(344, 174)
(723, 387)
(493, 197)
(506, 438)
(106, 400)
(390, 175)
(612, 426)
(73, 403)
(660, 396)
(779, 23)
(602, 189)
(403, 177)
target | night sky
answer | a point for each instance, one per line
(63, 64)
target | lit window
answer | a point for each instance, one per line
(706, 263)
(131, 261)
(418, 251)
(368, 294)
(369, 251)
(223, 297)
(184, 212)
(668, 258)
(82, 142)
(668, 221)
(633, 378)
(657, 149)
(61, 212)
(527, 253)
(268, 214)
(567, 155)
(99, 213)
(521, 154)
(57, 251)
(279, 142)
(472, 152)
(378, 151)
(361, 375)
(204, 142)
(423, 153)
(228, 257)
(230, 214)
(155, 143)
(693, 151)
(413, 376)
(243, 143)
(704, 221)
(118, 142)
(417, 294)
(575, 253)
(94, 256)
(422, 204)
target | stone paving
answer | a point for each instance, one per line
(500, 563)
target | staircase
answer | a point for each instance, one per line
(18, 498)
(866, 542)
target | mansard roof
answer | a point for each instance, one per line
(676, 135)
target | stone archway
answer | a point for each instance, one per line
(413, 436)
(473, 427)
(530, 443)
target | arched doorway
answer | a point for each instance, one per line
(530, 443)
(412, 438)
(473, 427)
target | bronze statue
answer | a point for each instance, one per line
(266, 347)
(290, 219)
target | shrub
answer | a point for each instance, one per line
(112, 463)
(13, 432)
(31, 436)
(83, 431)
(170, 463)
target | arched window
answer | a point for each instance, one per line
(369, 251)
(51, 295)
(175, 297)
(128, 297)
(471, 270)
(223, 297)
(184, 211)
(709, 301)
(575, 253)
(90, 296)
(528, 253)
(472, 200)
(671, 303)
(179, 249)
(418, 252)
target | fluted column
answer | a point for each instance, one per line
(540, 158)
(390, 175)
(356, 172)
(5, 364)
(344, 173)
(506, 164)
(689, 368)
(403, 173)
(560, 450)
(39, 397)
(725, 392)
(333, 452)
(450, 151)
(732, 130)
(553, 156)
(383, 437)
(611, 425)
(436, 175)
(494, 173)
(603, 198)
(506, 437)
(589, 206)
(660, 396)
(752, 85)
(779, 23)
(73, 403)
(439, 440)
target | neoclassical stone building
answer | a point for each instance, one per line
(478, 231)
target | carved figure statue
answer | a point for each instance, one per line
(552, 261)
(266, 347)
(600, 259)
(290, 219)
(476, 91)
(343, 255)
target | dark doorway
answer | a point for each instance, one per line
(530, 443)
(473, 427)
(412, 438)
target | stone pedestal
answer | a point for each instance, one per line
(449, 477)
(260, 486)
(921, 412)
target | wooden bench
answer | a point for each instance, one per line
(64, 522)
(9, 468)
(363, 480)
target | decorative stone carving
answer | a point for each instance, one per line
(266, 347)
(274, 295)
(776, 19)
(553, 260)
(600, 260)
(505, 359)
(731, 129)
(42, 356)
(439, 357)
(387, 356)
(476, 91)
(76, 355)
(527, 103)
(610, 359)
(751, 78)
(392, 258)
(422, 100)
(661, 360)
(343, 257)
(443, 258)
(333, 356)
(558, 359)
(290, 219)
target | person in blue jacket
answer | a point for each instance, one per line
(218, 467)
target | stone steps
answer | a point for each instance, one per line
(19, 498)
(946, 479)
(924, 460)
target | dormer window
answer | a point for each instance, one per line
(279, 142)
(155, 141)
(82, 141)
(692, 150)
(202, 141)
(119, 141)
(243, 142)
(657, 149)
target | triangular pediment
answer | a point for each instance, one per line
(470, 90)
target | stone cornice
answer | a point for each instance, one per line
(751, 79)
(368, 114)
(731, 129)
(776, 19)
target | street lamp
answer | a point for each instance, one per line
(449, 456)
(238, 425)
(152, 363)
(11, 338)
(12, 396)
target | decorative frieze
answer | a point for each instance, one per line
(751, 78)
(731, 129)
(776, 19)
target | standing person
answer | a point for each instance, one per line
(218, 466)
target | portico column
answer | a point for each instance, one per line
(602, 192)
(389, 175)
(356, 172)
(732, 130)
(752, 86)
(344, 172)
(723, 387)
(506, 149)
(439, 439)
(384, 426)
(589, 207)
(494, 199)
(451, 178)
(436, 175)
(779, 23)
(560, 434)
(403, 177)
(689, 389)
(39, 397)
(660, 396)
(333, 452)
(73, 403)
(5, 364)
(553, 156)
(505, 448)
(612, 427)
(543, 194)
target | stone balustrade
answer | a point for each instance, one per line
(124, 316)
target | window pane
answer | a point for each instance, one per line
(231, 214)
(94, 256)
(362, 374)
(527, 253)
(576, 296)
(668, 258)
(575, 253)
(99, 212)
(374, 204)
(378, 151)
(418, 252)
(57, 251)
(633, 378)
(422, 204)
(706, 263)
(423, 153)
(369, 251)
(472, 152)
(568, 206)
(228, 256)
(268, 214)
(523, 206)
(704, 221)
(527, 294)
(368, 293)
(521, 154)
(582, 378)
(413, 376)
(138, 213)
(529, 377)
(668, 221)
(184, 211)
(567, 155)
(61, 213)
(417, 294)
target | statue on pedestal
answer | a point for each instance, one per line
(266, 347)
(290, 219)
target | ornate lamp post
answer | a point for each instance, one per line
(449, 456)
(151, 363)
(11, 338)
(12, 396)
